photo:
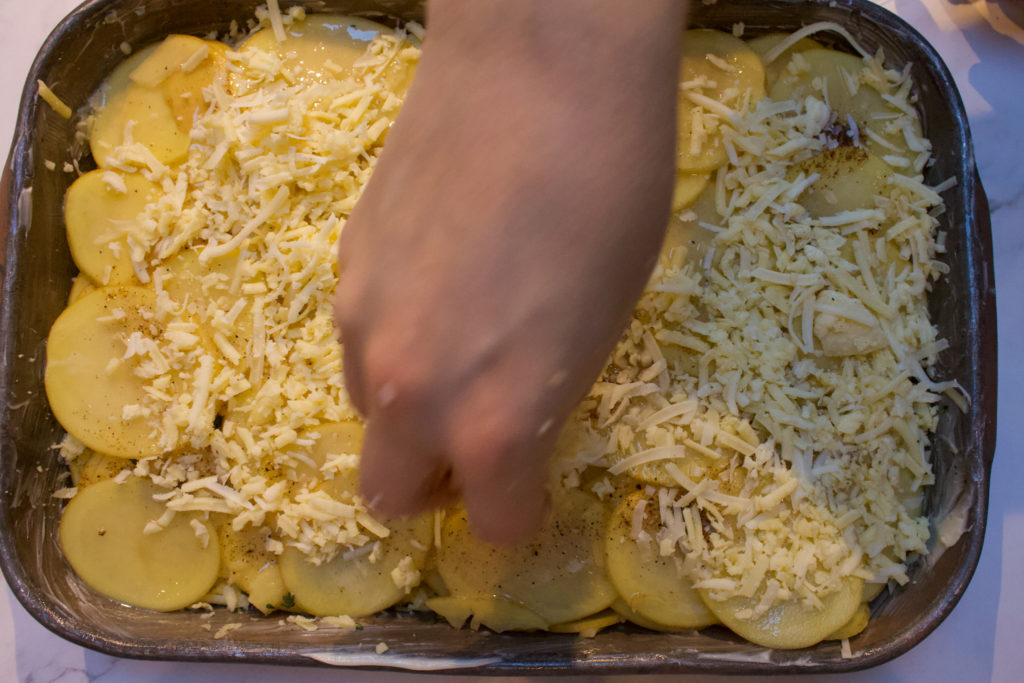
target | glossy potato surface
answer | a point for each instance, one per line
(96, 215)
(559, 573)
(103, 536)
(88, 384)
(652, 585)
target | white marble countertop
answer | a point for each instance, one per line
(983, 43)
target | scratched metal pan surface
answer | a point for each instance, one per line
(37, 272)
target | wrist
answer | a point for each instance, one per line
(558, 38)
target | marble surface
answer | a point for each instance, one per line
(983, 42)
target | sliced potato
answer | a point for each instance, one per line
(195, 284)
(80, 286)
(699, 145)
(792, 624)
(91, 468)
(559, 574)
(496, 613)
(688, 187)
(96, 215)
(127, 106)
(873, 590)
(180, 67)
(102, 534)
(357, 586)
(652, 585)
(589, 626)
(623, 610)
(87, 382)
(857, 623)
(333, 440)
(850, 178)
(773, 69)
(839, 73)
(318, 49)
(252, 567)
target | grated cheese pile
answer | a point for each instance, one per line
(772, 389)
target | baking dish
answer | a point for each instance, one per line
(37, 275)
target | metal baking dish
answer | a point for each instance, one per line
(36, 279)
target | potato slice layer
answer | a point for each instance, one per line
(96, 214)
(497, 614)
(103, 536)
(252, 567)
(80, 286)
(91, 468)
(847, 95)
(357, 586)
(849, 179)
(559, 574)
(652, 585)
(153, 97)
(773, 69)
(588, 627)
(321, 48)
(792, 624)
(719, 72)
(688, 187)
(87, 381)
(623, 610)
(857, 623)
(181, 66)
(127, 105)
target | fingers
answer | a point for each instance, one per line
(504, 490)
(400, 475)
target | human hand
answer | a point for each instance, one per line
(497, 252)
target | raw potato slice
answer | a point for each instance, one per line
(91, 468)
(652, 585)
(357, 586)
(335, 440)
(252, 567)
(792, 624)
(866, 106)
(850, 179)
(855, 625)
(773, 69)
(497, 614)
(80, 286)
(102, 534)
(126, 105)
(688, 188)
(622, 609)
(87, 383)
(96, 215)
(873, 590)
(194, 284)
(319, 49)
(590, 626)
(559, 574)
(181, 66)
(699, 145)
